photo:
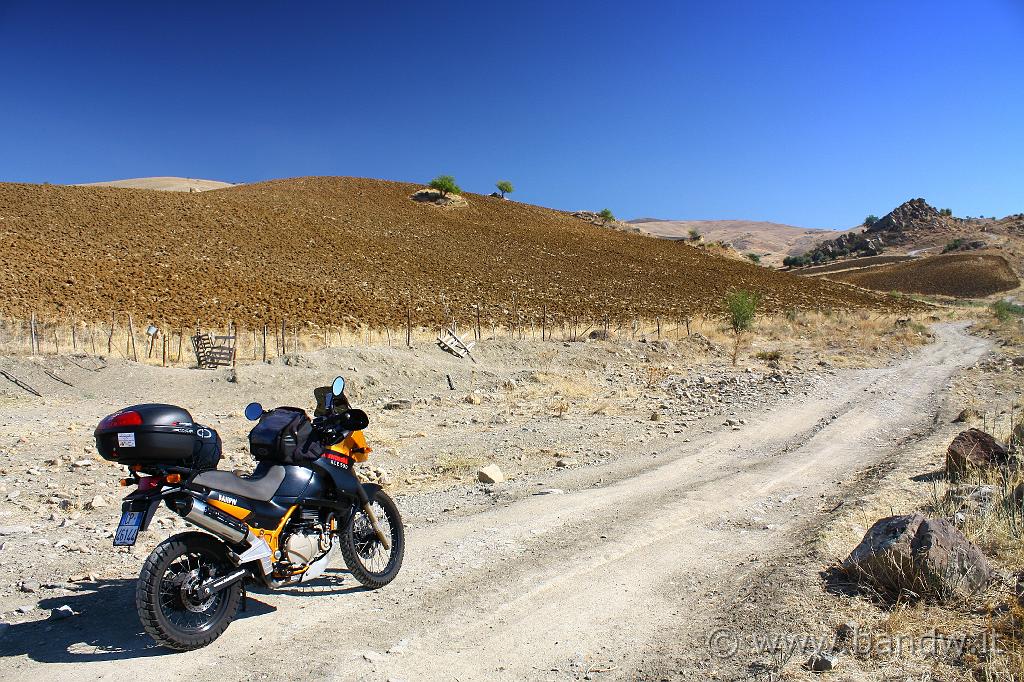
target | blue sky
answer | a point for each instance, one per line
(812, 113)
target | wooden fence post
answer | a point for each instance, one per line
(408, 323)
(110, 337)
(131, 337)
(32, 340)
(163, 358)
(264, 343)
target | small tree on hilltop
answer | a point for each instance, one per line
(870, 220)
(606, 215)
(740, 308)
(445, 184)
(695, 236)
(505, 187)
(753, 258)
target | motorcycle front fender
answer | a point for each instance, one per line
(339, 469)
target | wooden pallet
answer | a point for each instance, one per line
(214, 351)
(450, 342)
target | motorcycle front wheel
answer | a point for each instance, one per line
(364, 553)
(170, 610)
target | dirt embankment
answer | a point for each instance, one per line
(352, 251)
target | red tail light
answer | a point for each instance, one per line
(150, 482)
(121, 419)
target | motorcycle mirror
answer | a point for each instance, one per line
(253, 411)
(338, 387)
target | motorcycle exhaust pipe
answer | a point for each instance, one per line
(201, 514)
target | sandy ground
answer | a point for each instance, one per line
(642, 549)
(166, 184)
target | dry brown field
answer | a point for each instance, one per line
(358, 252)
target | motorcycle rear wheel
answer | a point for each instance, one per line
(364, 554)
(170, 612)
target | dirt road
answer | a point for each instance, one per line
(624, 569)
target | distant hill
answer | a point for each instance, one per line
(771, 241)
(335, 250)
(165, 184)
(917, 228)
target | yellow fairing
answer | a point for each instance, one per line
(354, 446)
(271, 536)
(230, 509)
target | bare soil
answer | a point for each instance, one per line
(350, 251)
(644, 546)
(961, 275)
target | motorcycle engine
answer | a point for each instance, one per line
(306, 539)
(302, 546)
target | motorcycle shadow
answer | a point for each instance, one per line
(334, 581)
(106, 627)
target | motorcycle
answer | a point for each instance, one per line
(281, 526)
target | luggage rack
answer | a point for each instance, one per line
(214, 351)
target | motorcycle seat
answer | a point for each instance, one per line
(261, 489)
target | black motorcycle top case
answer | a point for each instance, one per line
(166, 435)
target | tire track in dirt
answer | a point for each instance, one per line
(551, 587)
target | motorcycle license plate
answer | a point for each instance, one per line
(128, 528)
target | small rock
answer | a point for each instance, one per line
(490, 474)
(565, 462)
(846, 631)
(97, 503)
(655, 416)
(820, 663)
(474, 399)
(550, 491)
(29, 586)
(967, 414)
(15, 530)
(62, 612)
(400, 404)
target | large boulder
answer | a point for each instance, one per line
(884, 559)
(949, 566)
(926, 558)
(974, 450)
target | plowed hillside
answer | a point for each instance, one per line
(348, 250)
(961, 275)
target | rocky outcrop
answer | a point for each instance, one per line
(914, 556)
(896, 228)
(974, 450)
(909, 217)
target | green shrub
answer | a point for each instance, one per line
(753, 258)
(505, 187)
(740, 308)
(953, 245)
(1006, 311)
(695, 236)
(606, 215)
(769, 355)
(946, 211)
(796, 261)
(445, 184)
(870, 220)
